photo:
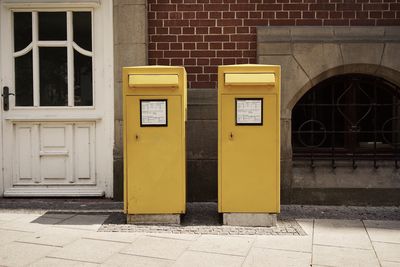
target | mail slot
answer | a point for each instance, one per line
(153, 80)
(154, 143)
(249, 79)
(249, 144)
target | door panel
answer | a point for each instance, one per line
(54, 153)
(154, 160)
(249, 165)
(25, 164)
(84, 152)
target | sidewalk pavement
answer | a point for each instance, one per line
(35, 237)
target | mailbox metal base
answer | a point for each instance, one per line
(250, 219)
(170, 219)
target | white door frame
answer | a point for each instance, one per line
(102, 113)
(1, 108)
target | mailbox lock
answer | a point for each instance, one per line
(137, 137)
(231, 136)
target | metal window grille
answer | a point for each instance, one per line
(348, 117)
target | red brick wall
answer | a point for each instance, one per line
(202, 34)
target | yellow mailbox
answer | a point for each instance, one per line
(154, 143)
(248, 144)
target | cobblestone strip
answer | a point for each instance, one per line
(284, 227)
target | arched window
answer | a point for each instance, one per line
(348, 117)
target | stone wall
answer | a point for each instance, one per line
(309, 55)
(130, 49)
(202, 144)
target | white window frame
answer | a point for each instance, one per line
(69, 44)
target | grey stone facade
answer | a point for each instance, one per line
(130, 49)
(202, 144)
(309, 55)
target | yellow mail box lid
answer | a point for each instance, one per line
(153, 80)
(249, 79)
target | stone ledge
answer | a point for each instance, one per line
(338, 34)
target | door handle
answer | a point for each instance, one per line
(6, 100)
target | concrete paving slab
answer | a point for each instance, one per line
(187, 237)
(19, 221)
(200, 259)
(94, 251)
(271, 257)
(289, 243)
(25, 225)
(28, 217)
(341, 256)
(112, 236)
(53, 236)
(390, 264)
(384, 231)
(33, 219)
(307, 225)
(223, 244)
(155, 247)
(7, 236)
(20, 254)
(131, 260)
(86, 222)
(58, 215)
(51, 262)
(341, 233)
(47, 220)
(387, 251)
(9, 216)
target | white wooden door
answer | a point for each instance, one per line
(57, 61)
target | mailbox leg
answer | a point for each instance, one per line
(169, 219)
(250, 219)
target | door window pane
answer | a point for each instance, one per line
(53, 76)
(22, 30)
(83, 80)
(53, 26)
(53, 58)
(83, 29)
(24, 80)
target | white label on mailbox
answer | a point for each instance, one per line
(153, 112)
(249, 111)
